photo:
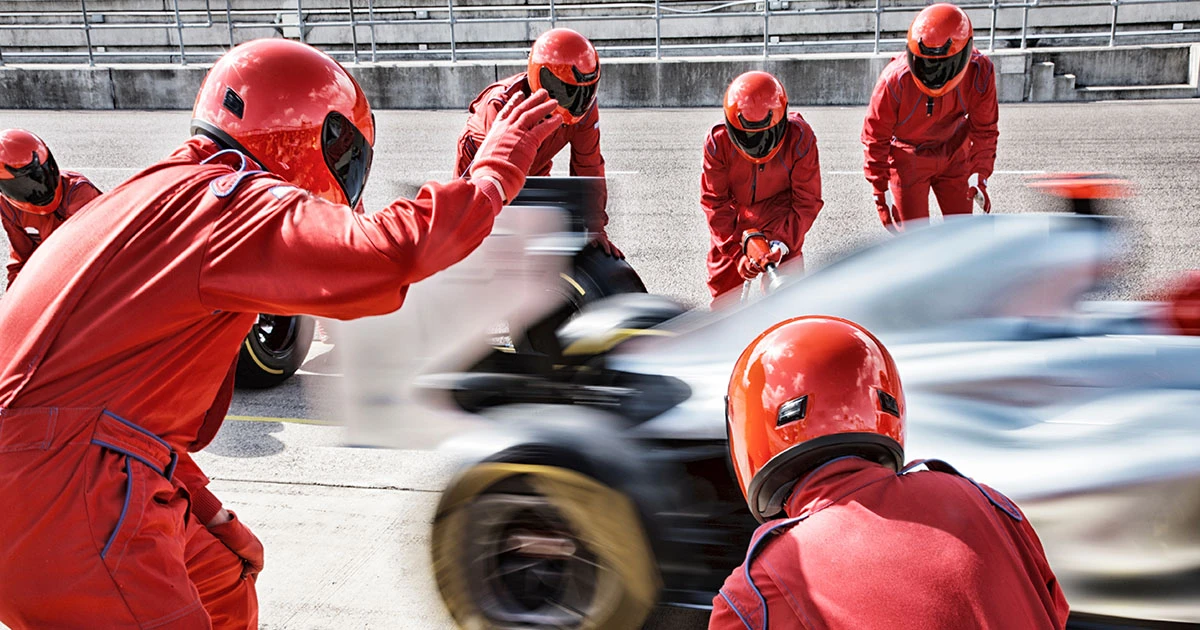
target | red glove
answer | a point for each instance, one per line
(748, 268)
(979, 192)
(242, 542)
(507, 151)
(885, 206)
(600, 239)
(775, 256)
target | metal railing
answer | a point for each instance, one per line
(224, 25)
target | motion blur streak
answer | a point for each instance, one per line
(1083, 412)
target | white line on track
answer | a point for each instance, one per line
(438, 172)
(859, 172)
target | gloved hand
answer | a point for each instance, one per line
(600, 239)
(778, 251)
(886, 207)
(748, 268)
(507, 151)
(979, 192)
(234, 534)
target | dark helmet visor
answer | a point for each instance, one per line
(576, 99)
(347, 154)
(758, 144)
(934, 73)
(35, 183)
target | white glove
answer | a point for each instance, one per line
(977, 188)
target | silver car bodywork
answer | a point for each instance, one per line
(1085, 413)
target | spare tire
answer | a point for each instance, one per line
(273, 350)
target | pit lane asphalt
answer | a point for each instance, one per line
(346, 529)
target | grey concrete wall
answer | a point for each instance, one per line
(1121, 66)
(55, 87)
(709, 27)
(810, 79)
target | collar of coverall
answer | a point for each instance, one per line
(831, 482)
(202, 148)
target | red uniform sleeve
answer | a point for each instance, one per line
(21, 247)
(477, 127)
(724, 616)
(1031, 552)
(204, 504)
(805, 202)
(878, 129)
(1058, 601)
(586, 161)
(737, 606)
(83, 192)
(716, 199)
(278, 249)
(982, 129)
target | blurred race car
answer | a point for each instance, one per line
(277, 345)
(600, 485)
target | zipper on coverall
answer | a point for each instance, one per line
(754, 185)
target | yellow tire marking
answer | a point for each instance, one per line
(597, 345)
(603, 518)
(260, 363)
(573, 283)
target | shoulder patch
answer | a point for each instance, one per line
(224, 185)
(282, 190)
(34, 235)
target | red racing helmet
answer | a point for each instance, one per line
(29, 176)
(939, 48)
(756, 115)
(806, 391)
(566, 65)
(293, 109)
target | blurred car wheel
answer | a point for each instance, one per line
(518, 545)
(273, 350)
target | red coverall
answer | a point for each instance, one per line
(915, 150)
(781, 198)
(112, 351)
(867, 548)
(26, 230)
(583, 136)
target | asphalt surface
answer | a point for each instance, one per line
(346, 529)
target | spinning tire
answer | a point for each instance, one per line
(275, 348)
(537, 546)
(595, 275)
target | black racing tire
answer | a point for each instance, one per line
(592, 276)
(537, 545)
(273, 350)
(595, 275)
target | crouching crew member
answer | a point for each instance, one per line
(761, 171)
(816, 422)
